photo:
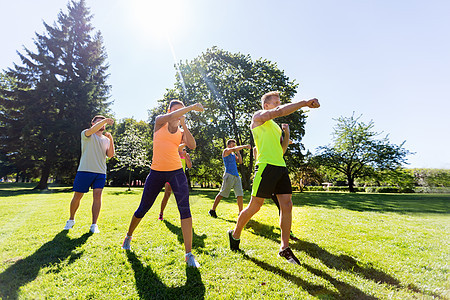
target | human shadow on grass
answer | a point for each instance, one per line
(51, 254)
(338, 262)
(150, 286)
(333, 261)
(346, 291)
(198, 241)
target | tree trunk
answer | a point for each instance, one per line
(129, 180)
(246, 184)
(351, 183)
(45, 173)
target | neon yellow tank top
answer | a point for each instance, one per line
(183, 163)
(267, 138)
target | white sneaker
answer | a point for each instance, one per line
(191, 261)
(127, 243)
(69, 224)
(94, 228)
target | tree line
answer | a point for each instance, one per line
(48, 99)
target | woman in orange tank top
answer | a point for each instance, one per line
(166, 167)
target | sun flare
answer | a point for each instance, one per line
(158, 19)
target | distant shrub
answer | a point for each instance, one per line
(387, 189)
(438, 190)
(314, 188)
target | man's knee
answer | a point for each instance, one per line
(286, 205)
(256, 203)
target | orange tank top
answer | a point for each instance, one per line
(165, 149)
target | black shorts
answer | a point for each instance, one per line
(270, 179)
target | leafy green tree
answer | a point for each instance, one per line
(58, 89)
(230, 86)
(307, 174)
(119, 176)
(356, 152)
(130, 152)
(400, 178)
(431, 177)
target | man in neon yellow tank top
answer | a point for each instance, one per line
(271, 174)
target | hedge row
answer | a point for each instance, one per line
(379, 189)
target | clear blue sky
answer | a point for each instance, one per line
(387, 60)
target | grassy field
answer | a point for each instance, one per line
(352, 246)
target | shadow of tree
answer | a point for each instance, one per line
(124, 192)
(398, 203)
(346, 291)
(30, 191)
(51, 253)
(150, 286)
(198, 241)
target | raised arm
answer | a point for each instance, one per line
(96, 127)
(188, 161)
(228, 151)
(187, 139)
(175, 115)
(286, 138)
(262, 116)
(111, 151)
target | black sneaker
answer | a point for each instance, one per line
(234, 244)
(293, 237)
(289, 255)
(212, 213)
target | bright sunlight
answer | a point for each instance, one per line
(157, 19)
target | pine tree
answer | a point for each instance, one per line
(59, 88)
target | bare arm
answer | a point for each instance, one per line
(285, 140)
(188, 139)
(238, 157)
(188, 161)
(110, 152)
(96, 127)
(262, 116)
(228, 151)
(175, 115)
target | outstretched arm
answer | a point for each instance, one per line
(262, 116)
(96, 127)
(175, 115)
(228, 151)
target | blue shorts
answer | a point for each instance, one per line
(84, 180)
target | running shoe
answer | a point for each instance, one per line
(293, 237)
(289, 255)
(160, 217)
(127, 243)
(94, 228)
(191, 261)
(234, 244)
(212, 213)
(69, 224)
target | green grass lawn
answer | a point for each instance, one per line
(352, 246)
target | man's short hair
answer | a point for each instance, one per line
(97, 117)
(175, 102)
(268, 97)
(231, 141)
